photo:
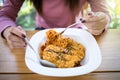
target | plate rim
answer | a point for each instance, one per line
(66, 69)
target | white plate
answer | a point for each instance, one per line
(90, 63)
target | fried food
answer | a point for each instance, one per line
(63, 52)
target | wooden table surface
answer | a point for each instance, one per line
(12, 62)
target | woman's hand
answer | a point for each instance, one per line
(14, 37)
(95, 22)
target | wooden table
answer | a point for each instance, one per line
(12, 62)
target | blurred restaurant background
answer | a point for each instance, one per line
(26, 16)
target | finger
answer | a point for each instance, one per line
(93, 19)
(17, 32)
(95, 32)
(18, 44)
(13, 40)
(13, 37)
(96, 25)
(19, 27)
(90, 14)
(96, 17)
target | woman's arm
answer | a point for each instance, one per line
(9, 12)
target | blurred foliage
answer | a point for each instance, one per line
(26, 16)
(114, 7)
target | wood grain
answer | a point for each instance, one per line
(91, 76)
(12, 61)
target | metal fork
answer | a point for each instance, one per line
(68, 27)
(80, 21)
(43, 62)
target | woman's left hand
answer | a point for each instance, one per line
(95, 22)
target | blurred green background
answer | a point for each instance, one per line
(26, 16)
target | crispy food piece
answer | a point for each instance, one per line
(63, 52)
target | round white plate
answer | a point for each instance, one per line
(90, 63)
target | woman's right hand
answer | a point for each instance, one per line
(14, 37)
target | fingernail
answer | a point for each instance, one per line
(25, 44)
(80, 19)
(89, 13)
(83, 21)
(23, 36)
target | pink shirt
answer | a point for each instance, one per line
(55, 13)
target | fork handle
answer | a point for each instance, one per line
(69, 27)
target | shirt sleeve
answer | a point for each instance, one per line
(100, 6)
(9, 12)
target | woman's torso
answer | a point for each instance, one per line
(56, 14)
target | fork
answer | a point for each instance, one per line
(81, 21)
(68, 27)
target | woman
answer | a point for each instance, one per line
(51, 14)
